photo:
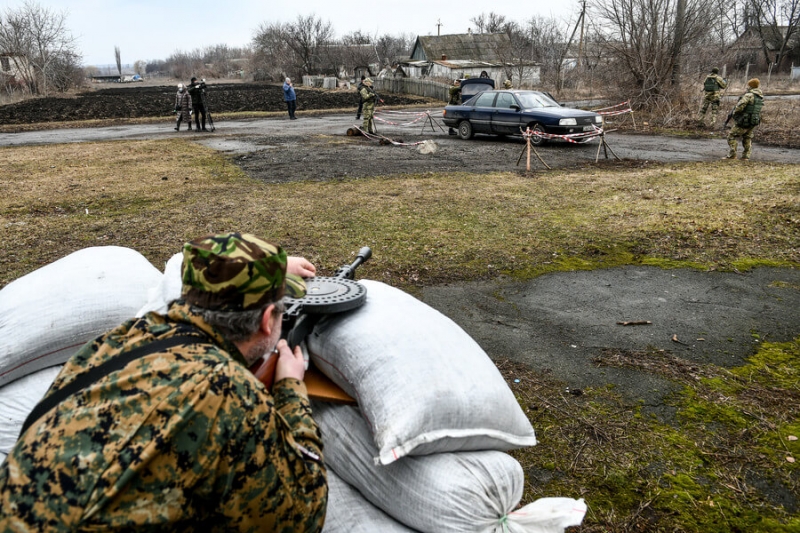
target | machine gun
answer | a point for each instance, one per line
(324, 296)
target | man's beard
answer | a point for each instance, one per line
(255, 353)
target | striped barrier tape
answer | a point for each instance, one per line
(376, 137)
(576, 138)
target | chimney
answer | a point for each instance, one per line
(444, 57)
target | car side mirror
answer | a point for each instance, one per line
(515, 107)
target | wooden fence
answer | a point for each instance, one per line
(431, 89)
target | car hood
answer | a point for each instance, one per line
(560, 112)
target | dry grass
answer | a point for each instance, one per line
(154, 195)
(638, 474)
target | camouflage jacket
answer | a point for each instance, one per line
(182, 440)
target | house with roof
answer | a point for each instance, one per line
(750, 47)
(448, 57)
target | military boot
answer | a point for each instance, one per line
(731, 149)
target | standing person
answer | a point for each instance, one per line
(455, 99)
(370, 99)
(746, 116)
(290, 97)
(197, 93)
(712, 92)
(183, 107)
(360, 100)
(182, 437)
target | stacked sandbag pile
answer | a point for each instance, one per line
(426, 443)
(45, 316)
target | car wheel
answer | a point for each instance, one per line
(465, 130)
(536, 140)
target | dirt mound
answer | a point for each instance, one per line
(158, 101)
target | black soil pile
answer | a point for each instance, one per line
(158, 101)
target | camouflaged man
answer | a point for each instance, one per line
(746, 116)
(182, 438)
(370, 99)
(712, 93)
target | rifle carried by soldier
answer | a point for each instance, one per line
(729, 117)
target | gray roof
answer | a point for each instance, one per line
(471, 46)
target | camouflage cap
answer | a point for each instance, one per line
(236, 272)
(715, 70)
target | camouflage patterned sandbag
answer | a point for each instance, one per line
(45, 316)
(422, 383)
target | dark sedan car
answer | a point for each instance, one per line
(511, 112)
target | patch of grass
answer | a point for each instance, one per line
(725, 466)
(423, 229)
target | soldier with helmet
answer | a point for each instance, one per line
(746, 116)
(712, 92)
(177, 434)
(507, 84)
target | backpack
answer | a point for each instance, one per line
(711, 84)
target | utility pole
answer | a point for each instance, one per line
(580, 42)
(439, 27)
(680, 17)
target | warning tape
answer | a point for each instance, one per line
(576, 138)
(376, 137)
(603, 110)
(418, 116)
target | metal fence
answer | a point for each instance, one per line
(430, 89)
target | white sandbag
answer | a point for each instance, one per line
(349, 512)
(17, 400)
(45, 316)
(423, 385)
(461, 492)
(167, 290)
(545, 515)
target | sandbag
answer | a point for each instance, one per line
(349, 512)
(17, 400)
(45, 316)
(423, 384)
(460, 492)
(167, 290)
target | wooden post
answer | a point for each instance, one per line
(528, 142)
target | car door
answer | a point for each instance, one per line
(481, 114)
(506, 117)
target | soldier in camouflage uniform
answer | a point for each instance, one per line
(712, 92)
(455, 99)
(507, 84)
(370, 99)
(747, 116)
(183, 438)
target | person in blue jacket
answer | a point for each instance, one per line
(290, 97)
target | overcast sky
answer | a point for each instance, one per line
(154, 29)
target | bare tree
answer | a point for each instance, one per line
(640, 35)
(43, 48)
(393, 48)
(271, 53)
(777, 24)
(305, 37)
(491, 23)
